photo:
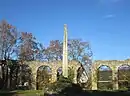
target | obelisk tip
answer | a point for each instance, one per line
(65, 24)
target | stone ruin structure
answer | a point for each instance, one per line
(34, 65)
(113, 65)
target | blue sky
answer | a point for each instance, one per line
(104, 23)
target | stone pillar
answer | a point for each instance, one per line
(65, 53)
(34, 82)
(34, 79)
(94, 79)
(54, 75)
(115, 79)
(75, 76)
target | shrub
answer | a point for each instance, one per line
(71, 74)
(58, 86)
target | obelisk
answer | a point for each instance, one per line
(65, 53)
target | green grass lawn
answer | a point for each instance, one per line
(87, 93)
(22, 93)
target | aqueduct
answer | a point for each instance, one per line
(114, 66)
(34, 65)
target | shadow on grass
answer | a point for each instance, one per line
(76, 90)
(7, 93)
(22, 93)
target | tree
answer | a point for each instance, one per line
(54, 51)
(8, 38)
(28, 47)
(43, 76)
(39, 54)
(81, 52)
(78, 50)
(15, 46)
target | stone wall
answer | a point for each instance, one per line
(114, 65)
(34, 65)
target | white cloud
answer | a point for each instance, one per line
(109, 16)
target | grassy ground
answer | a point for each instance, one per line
(22, 93)
(70, 93)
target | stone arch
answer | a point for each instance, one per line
(34, 65)
(113, 64)
(79, 73)
(122, 64)
(98, 66)
(82, 76)
(104, 77)
(94, 72)
(74, 66)
(44, 75)
(124, 76)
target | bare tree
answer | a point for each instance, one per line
(54, 51)
(8, 38)
(81, 52)
(28, 47)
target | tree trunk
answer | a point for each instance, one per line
(3, 76)
(17, 70)
(11, 78)
(6, 79)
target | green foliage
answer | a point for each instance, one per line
(43, 78)
(71, 74)
(63, 79)
(123, 89)
(58, 86)
(105, 86)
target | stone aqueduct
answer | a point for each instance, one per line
(34, 65)
(113, 64)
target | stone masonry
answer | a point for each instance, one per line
(114, 65)
(34, 65)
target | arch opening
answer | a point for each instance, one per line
(104, 78)
(81, 76)
(70, 73)
(44, 74)
(124, 76)
(59, 73)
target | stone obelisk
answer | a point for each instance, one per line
(65, 53)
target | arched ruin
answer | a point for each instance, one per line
(54, 66)
(113, 65)
(113, 80)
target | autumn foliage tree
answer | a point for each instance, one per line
(8, 38)
(27, 46)
(54, 51)
(15, 45)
